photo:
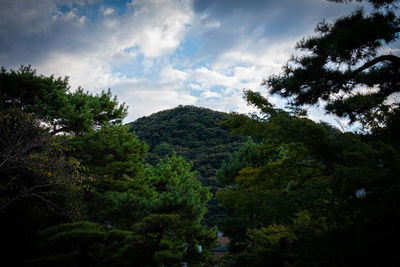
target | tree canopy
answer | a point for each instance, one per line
(51, 100)
(349, 66)
(75, 189)
(195, 134)
(308, 194)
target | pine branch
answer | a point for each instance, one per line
(391, 58)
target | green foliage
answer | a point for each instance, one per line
(73, 244)
(113, 157)
(39, 186)
(51, 101)
(331, 191)
(157, 224)
(196, 135)
(177, 185)
(327, 192)
(135, 215)
(267, 243)
(191, 132)
(173, 222)
(246, 156)
(322, 197)
(112, 152)
(347, 67)
(265, 193)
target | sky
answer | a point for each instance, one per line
(158, 54)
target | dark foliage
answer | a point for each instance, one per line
(309, 195)
(322, 197)
(347, 67)
(51, 100)
(39, 185)
(195, 134)
(74, 189)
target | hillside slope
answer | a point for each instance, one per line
(193, 133)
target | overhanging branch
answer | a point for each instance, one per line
(391, 58)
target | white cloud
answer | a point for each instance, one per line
(209, 94)
(145, 97)
(108, 11)
(169, 74)
(89, 72)
(195, 86)
(111, 24)
(133, 53)
(242, 67)
(230, 103)
(212, 24)
(156, 27)
(29, 18)
(208, 78)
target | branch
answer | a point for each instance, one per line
(46, 184)
(2, 208)
(391, 58)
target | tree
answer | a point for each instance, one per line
(322, 197)
(156, 222)
(175, 212)
(347, 66)
(195, 134)
(39, 185)
(114, 157)
(42, 171)
(51, 100)
(271, 187)
(129, 215)
(318, 194)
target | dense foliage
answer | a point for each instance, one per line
(39, 186)
(308, 194)
(349, 66)
(191, 132)
(75, 190)
(195, 134)
(154, 221)
(52, 101)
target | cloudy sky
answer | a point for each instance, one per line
(157, 54)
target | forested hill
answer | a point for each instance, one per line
(191, 132)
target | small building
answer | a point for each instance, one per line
(223, 242)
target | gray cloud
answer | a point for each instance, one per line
(249, 21)
(241, 42)
(31, 29)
